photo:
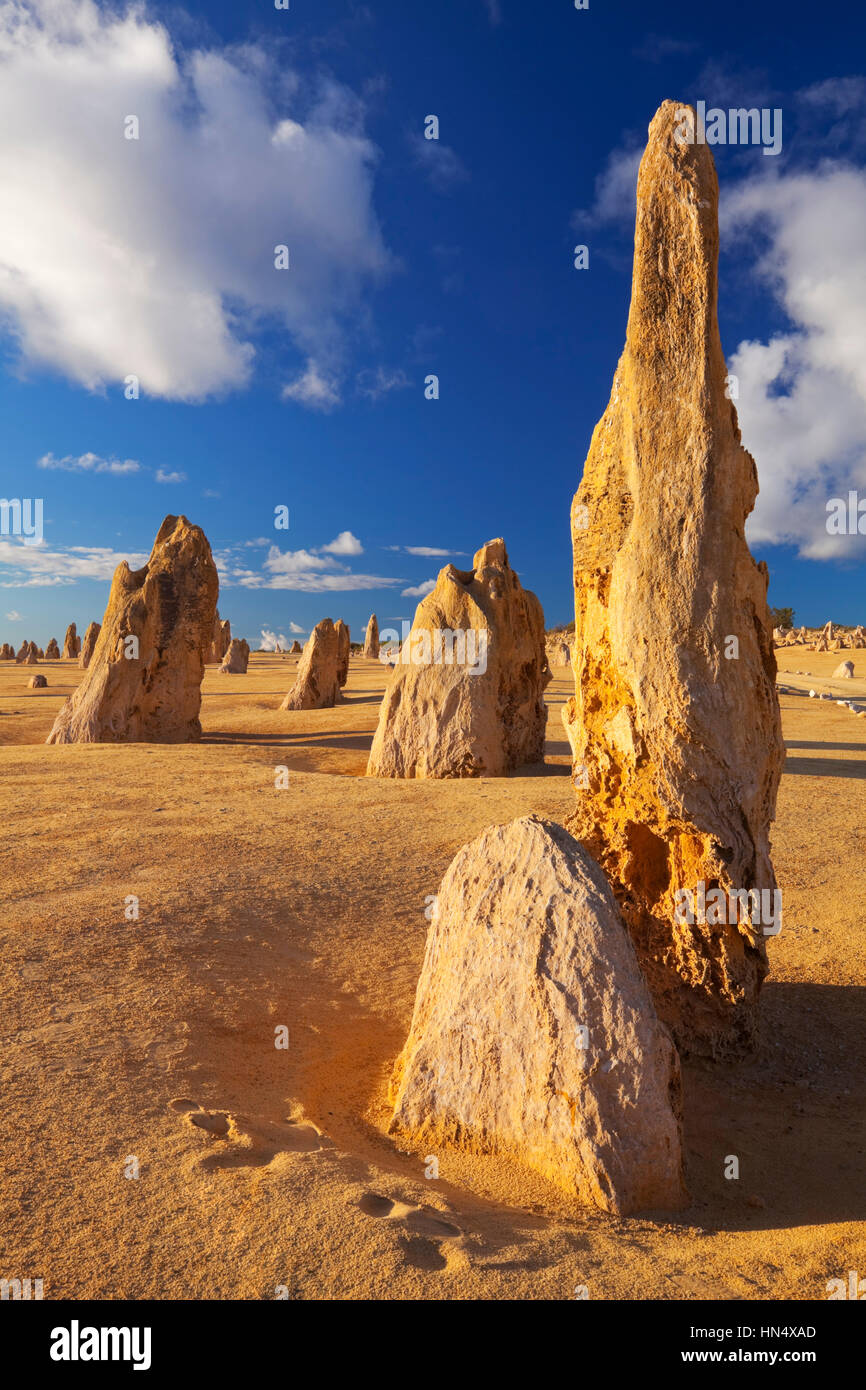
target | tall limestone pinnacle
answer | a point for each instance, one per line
(675, 725)
(143, 683)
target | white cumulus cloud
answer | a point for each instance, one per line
(802, 394)
(344, 544)
(155, 256)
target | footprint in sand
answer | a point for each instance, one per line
(251, 1143)
(425, 1228)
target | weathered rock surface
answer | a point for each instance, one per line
(317, 684)
(858, 637)
(37, 682)
(295, 649)
(143, 684)
(345, 642)
(675, 720)
(845, 671)
(7, 653)
(466, 698)
(32, 657)
(220, 638)
(236, 659)
(52, 651)
(534, 1034)
(558, 652)
(71, 643)
(23, 652)
(371, 639)
(88, 645)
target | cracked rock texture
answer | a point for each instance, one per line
(534, 1034)
(675, 720)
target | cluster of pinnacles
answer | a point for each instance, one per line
(554, 996)
(560, 985)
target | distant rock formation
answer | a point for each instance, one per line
(32, 657)
(371, 639)
(295, 649)
(88, 645)
(344, 645)
(844, 672)
(317, 684)
(7, 653)
(143, 684)
(675, 724)
(236, 659)
(220, 637)
(23, 652)
(558, 651)
(858, 637)
(466, 698)
(37, 682)
(52, 651)
(71, 644)
(534, 1034)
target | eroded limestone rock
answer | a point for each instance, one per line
(88, 645)
(534, 1034)
(371, 639)
(345, 642)
(143, 684)
(236, 659)
(675, 722)
(466, 698)
(317, 683)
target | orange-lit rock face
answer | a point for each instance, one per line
(88, 646)
(236, 659)
(534, 1034)
(71, 643)
(675, 725)
(317, 683)
(143, 683)
(371, 638)
(344, 647)
(467, 695)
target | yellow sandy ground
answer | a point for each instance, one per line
(305, 907)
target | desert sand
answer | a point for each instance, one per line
(267, 1172)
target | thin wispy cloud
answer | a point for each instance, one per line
(442, 166)
(376, 383)
(169, 477)
(41, 566)
(425, 550)
(313, 388)
(419, 590)
(89, 463)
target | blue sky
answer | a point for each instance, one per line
(408, 257)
